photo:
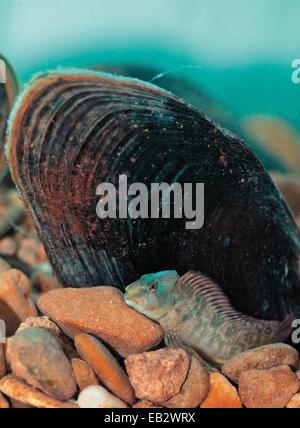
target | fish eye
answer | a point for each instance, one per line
(152, 287)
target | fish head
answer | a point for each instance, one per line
(152, 294)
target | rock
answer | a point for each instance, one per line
(40, 322)
(97, 397)
(4, 266)
(195, 388)
(68, 347)
(294, 403)
(159, 375)
(222, 394)
(264, 357)
(84, 374)
(30, 252)
(36, 356)
(272, 388)
(105, 366)
(8, 246)
(45, 283)
(15, 303)
(20, 279)
(18, 405)
(105, 315)
(2, 361)
(4, 404)
(23, 393)
(146, 405)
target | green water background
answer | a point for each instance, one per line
(242, 50)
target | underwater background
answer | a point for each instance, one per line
(242, 51)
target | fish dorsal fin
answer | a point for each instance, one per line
(201, 286)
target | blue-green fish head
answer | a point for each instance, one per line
(152, 293)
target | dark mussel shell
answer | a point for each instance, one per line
(176, 82)
(8, 92)
(72, 131)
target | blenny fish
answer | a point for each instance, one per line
(193, 310)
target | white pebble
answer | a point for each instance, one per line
(97, 397)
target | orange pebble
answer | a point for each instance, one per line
(15, 303)
(3, 402)
(26, 394)
(45, 283)
(83, 373)
(222, 394)
(105, 366)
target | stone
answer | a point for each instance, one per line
(105, 315)
(8, 246)
(4, 404)
(105, 366)
(18, 405)
(195, 388)
(36, 356)
(97, 397)
(18, 390)
(146, 405)
(45, 283)
(159, 375)
(271, 388)
(264, 357)
(15, 303)
(222, 394)
(294, 402)
(84, 374)
(40, 322)
(4, 266)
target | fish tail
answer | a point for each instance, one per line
(284, 329)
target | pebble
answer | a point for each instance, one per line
(105, 315)
(18, 405)
(40, 322)
(159, 375)
(264, 357)
(97, 397)
(4, 266)
(4, 404)
(36, 356)
(222, 394)
(105, 366)
(294, 403)
(18, 390)
(195, 389)
(8, 246)
(45, 283)
(272, 388)
(146, 405)
(30, 252)
(15, 303)
(84, 374)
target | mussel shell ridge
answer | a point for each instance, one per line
(72, 131)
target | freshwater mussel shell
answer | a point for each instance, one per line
(72, 131)
(8, 93)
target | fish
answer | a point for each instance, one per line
(194, 311)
